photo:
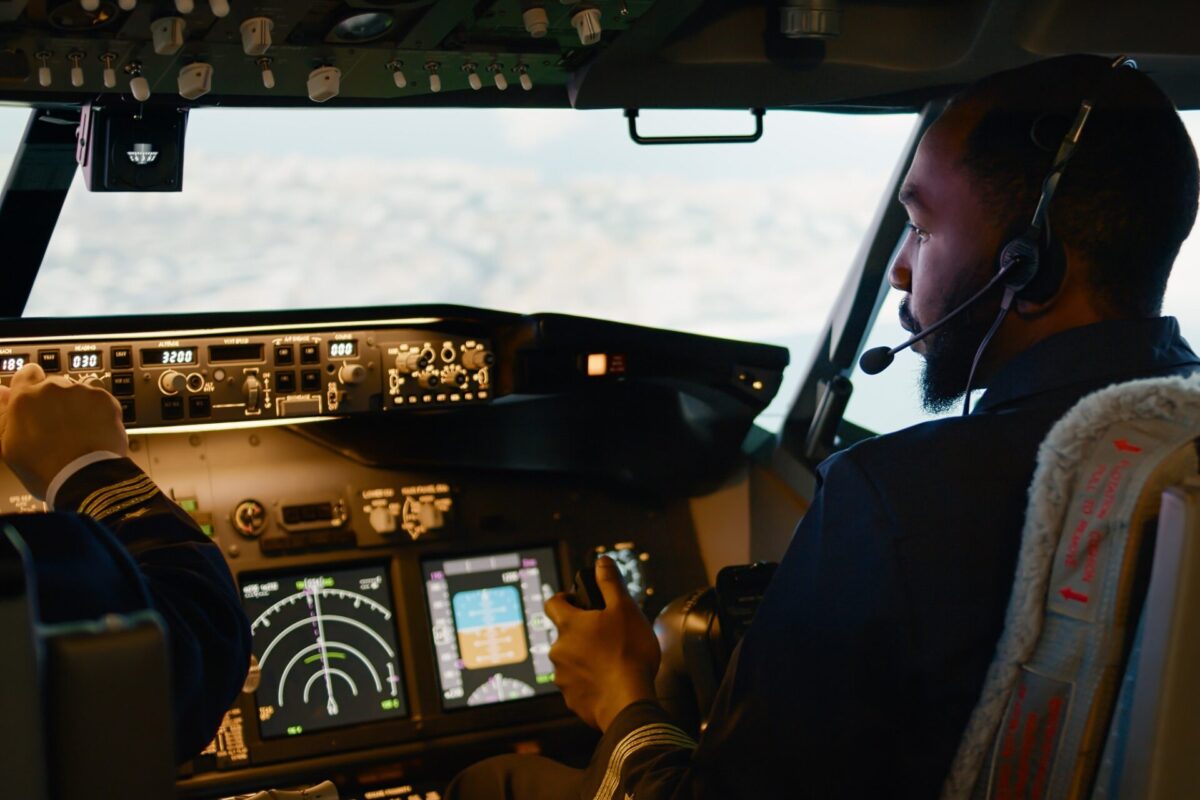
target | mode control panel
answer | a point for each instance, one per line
(180, 379)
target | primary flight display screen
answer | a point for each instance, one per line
(325, 643)
(490, 632)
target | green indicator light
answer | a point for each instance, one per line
(300, 585)
(294, 730)
(328, 583)
(189, 504)
(546, 678)
(389, 704)
(208, 530)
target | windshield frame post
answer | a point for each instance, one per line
(37, 186)
(850, 320)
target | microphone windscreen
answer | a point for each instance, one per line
(876, 360)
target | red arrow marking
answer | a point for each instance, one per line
(1125, 447)
(1070, 594)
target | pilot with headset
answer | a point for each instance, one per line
(1041, 233)
(132, 548)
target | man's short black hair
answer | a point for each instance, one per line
(1127, 198)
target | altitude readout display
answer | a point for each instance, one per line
(168, 355)
(344, 349)
(325, 642)
(80, 360)
(11, 362)
(490, 631)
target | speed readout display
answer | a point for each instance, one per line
(325, 645)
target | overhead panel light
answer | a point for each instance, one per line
(365, 27)
(74, 17)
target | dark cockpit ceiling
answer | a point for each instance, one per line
(842, 54)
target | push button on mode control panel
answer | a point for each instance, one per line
(122, 358)
(122, 384)
(172, 407)
(49, 360)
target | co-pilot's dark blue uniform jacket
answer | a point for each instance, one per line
(869, 651)
(131, 549)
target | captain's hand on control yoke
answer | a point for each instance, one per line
(603, 660)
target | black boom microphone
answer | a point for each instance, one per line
(877, 359)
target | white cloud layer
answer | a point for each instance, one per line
(751, 259)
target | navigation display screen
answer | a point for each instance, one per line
(325, 645)
(490, 632)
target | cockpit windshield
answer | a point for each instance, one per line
(515, 209)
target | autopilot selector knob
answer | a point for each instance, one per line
(252, 391)
(477, 358)
(172, 382)
(352, 374)
(414, 360)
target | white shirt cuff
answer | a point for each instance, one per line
(66, 472)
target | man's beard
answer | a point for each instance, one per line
(950, 352)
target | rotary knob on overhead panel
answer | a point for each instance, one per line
(587, 24)
(324, 83)
(536, 20)
(252, 390)
(429, 379)
(172, 382)
(92, 380)
(352, 374)
(382, 519)
(195, 80)
(256, 35)
(167, 33)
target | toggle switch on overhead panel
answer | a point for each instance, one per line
(76, 59)
(45, 77)
(168, 35)
(256, 35)
(139, 87)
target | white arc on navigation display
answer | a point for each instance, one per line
(326, 647)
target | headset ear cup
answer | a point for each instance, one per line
(1021, 258)
(1052, 267)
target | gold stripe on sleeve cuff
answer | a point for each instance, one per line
(104, 493)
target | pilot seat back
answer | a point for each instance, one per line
(86, 704)
(1082, 672)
